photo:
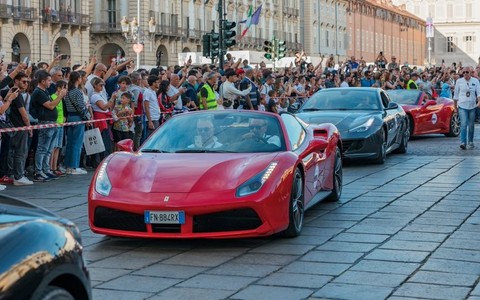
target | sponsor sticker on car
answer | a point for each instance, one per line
(164, 217)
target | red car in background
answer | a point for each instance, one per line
(217, 174)
(426, 114)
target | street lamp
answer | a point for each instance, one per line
(136, 33)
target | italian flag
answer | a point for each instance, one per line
(252, 18)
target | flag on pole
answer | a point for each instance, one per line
(252, 18)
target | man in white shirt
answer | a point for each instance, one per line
(205, 138)
(175, 91)
(466, 99)
(229, 92)
(150, 102)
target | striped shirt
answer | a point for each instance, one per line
(75, 96)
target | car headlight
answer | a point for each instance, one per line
(363, 127)
(102, 183)
(254, 184)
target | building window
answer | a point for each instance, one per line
(468, 43)
(469, 11)
(112, 12)
(449, 11)
(450, 44)
(327, 43)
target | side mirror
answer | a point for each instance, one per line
(392, 105)
(125, 145)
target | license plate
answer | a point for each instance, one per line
(164, 217)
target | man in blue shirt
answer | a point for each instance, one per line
(367, 80)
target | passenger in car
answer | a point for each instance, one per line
(205, 138)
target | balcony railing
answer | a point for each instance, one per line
(53, 16)
(195, 34)
(105, 28)
(17, 12)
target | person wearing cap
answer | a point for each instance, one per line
(208, 98)
(229, 92)
(393, 64)
(240, 73)
(412, 83)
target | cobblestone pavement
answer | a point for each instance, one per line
(406, 229)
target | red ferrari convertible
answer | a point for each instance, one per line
(217, 174)
(426, 114)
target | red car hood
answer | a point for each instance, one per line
(184, 172)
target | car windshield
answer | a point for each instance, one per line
(343, 99)
(217, 132)
(408, 97)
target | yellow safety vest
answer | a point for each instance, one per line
(408, 84)
(211, 98)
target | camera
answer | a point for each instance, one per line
(65, 56)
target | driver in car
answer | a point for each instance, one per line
(258, 132)
(205, 138)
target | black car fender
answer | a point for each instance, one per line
(66, 276)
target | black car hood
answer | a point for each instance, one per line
(343, 119)
(18, 210)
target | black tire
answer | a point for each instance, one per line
(411, 127)
(382, 151)
(56, 293)
(296, 210)
(454, 126)
(402, 148)
(337, 178)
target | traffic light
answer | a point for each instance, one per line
(280, 47)
(214, 44)
(229, 34)
(268, 47)
(206, 45)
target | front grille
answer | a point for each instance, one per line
(166, 228)
(120, 220)
(231, 220)
(352, 145)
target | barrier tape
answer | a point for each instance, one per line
(53, 125)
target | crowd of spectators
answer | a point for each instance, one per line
(136, 102)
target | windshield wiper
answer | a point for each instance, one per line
(202, 151)
(311, 109)
(154, 151)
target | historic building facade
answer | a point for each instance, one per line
(457, 28)
(43, 29)
(324, 28)
(379, 26)
(168, 28)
